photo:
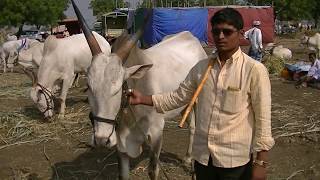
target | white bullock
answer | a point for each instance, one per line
(155, 70)
(313, 41)
(62, 59)
(171, 59)
(10, 50)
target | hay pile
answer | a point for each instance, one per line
(24, 126)
(273, 64)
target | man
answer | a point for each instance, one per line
(313, 76)
(233, 113)
(254, 35)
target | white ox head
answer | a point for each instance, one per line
(106, 76)
(41, 96)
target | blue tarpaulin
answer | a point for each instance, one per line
(166, 21)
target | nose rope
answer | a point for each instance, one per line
(114, 123)
(48, 96)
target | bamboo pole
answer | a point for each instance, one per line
(196, 94)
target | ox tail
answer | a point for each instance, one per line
(50, 44)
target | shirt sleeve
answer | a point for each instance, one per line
(179, 97)
(259, 38)
(261, 103)
(246, 34)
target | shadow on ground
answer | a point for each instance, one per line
(102, 164)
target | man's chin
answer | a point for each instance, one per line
(222, 49)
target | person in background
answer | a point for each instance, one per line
(313, 76)
(233, 113)
(254, 35)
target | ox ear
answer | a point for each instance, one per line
(137, 71)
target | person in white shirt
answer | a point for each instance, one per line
(254, 35)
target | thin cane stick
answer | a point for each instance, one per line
(196, 94)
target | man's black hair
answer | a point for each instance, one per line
(229, 16)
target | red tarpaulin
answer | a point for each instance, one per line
(249, 14)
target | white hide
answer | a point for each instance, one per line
(313, 41)
(62, 59)
(278, 51)
(11, 37)
(31, 57)
(10, 50)
(171, 61)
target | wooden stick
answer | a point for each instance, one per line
(196, 94)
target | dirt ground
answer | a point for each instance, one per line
(33, 149)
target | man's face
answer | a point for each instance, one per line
(226, 37)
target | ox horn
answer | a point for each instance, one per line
(93, 44)
(123, 44)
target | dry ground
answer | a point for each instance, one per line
(33, 149)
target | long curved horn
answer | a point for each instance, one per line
(124, 50)
(93, 44)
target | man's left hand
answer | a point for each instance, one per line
(259, 172)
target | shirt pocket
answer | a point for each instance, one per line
(231, 101)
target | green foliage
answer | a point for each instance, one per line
(34, 12)
(274, 65)
(101, 7)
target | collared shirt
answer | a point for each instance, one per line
(255, 37)
(314, 71)
(233, 113)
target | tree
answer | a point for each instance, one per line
(101, 7)
(33, 12)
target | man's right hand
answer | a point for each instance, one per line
(137, 97)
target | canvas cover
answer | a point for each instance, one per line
(249, 14)
(167, 21)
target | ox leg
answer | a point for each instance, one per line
(4, 65)
(63, 96)
(156, 145)
(76, 80)
(191, 120)
(123, 166)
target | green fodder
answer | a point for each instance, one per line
(273, 64)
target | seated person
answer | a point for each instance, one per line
(313, 75)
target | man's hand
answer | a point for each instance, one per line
(137, 97)
(259, 172)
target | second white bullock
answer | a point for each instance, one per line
(62, 59)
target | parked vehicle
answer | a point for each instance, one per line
(111, 25)
(31, 34)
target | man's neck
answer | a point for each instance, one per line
(224, 56)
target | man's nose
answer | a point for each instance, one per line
(221, 35)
